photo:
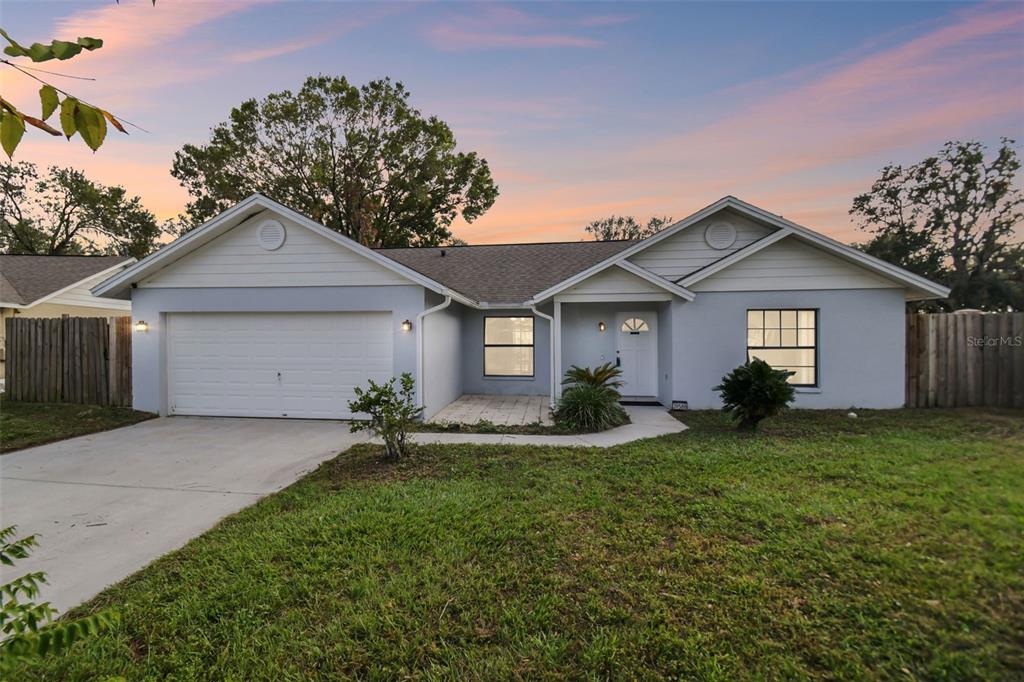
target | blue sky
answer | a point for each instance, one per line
(582, 109)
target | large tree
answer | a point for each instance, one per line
(361, 160)
(64, 213)
(625, 227)
(952, 218)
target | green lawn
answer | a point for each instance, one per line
(889, 546)
(23, 425)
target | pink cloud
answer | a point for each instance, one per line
(502, 27)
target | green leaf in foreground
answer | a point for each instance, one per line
(50, 101)
(11, 130)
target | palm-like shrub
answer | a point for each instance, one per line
(754, 391)
(606, 376)
(590, 401)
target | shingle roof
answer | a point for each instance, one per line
(505, 273)
(25, 279)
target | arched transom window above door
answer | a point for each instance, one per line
(634, 325)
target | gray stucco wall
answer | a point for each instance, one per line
(473, 379)
(583, 344)
(149, 387)
(442, 356)
(860, 345)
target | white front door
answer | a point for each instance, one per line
(636, 352)
(274, 364)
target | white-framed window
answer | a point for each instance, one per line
(786, 339)
(635, 325)
(508, 346)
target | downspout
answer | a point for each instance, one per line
(551, 344)
(419, 345)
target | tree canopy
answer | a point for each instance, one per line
(361, 160)
(65, 213)
(952, 218)
(625, 227)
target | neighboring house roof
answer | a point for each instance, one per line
(505, 273)
(27, 280)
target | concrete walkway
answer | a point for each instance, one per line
(647, 422)
(105, 505)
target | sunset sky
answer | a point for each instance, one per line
(581, 109)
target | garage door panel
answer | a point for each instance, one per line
(302, 365)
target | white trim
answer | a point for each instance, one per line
(612, 298)
(632, 269)
(53, 294)
(551, 344)
(907, 278)
(419, 346)
(668, 285)
(735, 257)
(156, 260)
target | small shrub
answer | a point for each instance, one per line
(591, 401)
(27, 628)
(391, 412)
(754, 391)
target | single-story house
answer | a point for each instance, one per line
(54, 286)
(263, 312)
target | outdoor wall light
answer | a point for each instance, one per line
(601, 326)
(141, 326)
(406, 326)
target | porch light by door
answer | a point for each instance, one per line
(141, 326)
(406, 326)
(601, 326)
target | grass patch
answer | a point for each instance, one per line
(24, 425)
(883, 547)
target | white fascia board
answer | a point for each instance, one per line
(180, 245)
(668, 285)
(109, 271)
(734, 257)
(843, 250)
(195, 238)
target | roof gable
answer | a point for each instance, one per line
(242, 212)
(689, 249)
(236, 258)
(791, 263)
(917, 287)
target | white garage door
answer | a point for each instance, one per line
(301, 365)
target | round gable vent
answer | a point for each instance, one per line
(720, 235)
(270, 235)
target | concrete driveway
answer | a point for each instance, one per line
(107, 504)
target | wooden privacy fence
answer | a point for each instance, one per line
(69, 360)
(965, 358)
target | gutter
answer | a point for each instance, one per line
(419, 344)
(551, 344)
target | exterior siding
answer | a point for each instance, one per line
(686, 251)
(149, 371)
(583, 344)
(861, 350)
(792, 265)
(614, 282)
(442, 356)
(81, 297)
(473, 379)
(306, 259)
